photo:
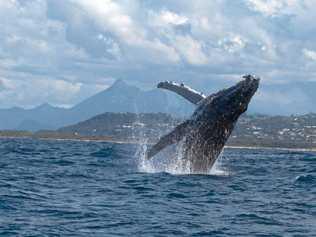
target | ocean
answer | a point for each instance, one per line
(78, 188)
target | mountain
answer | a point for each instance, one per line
(32, 126)
(120, 97)
(43, 116)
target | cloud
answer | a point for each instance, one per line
(37, 91)
(57, 90)
(110, 17)
(233, 44)
(310, 54)
(64, 44)
(273, 7)
(190, 49)
(168, 17)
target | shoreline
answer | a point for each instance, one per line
(272, 148)
(111, 140)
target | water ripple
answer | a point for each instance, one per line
(73, 188)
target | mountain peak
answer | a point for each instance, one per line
(44, 106)
(120, 87)
(119, 84)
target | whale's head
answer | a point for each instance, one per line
(234, 101)
(237, 100)
(230, 103)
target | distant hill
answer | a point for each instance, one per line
(120, 97)
(123, 126)
(251, 130)
(42, 117)
(276, 131)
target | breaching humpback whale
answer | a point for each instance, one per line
(205, 133)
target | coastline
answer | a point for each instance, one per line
(272, 148)
(135, 142)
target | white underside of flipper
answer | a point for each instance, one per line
(188, 93)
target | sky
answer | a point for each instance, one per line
(63, 51)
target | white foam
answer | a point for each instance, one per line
(218, 168)
(171, 161)
(168, 160)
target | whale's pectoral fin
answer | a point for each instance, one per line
(174, 136)
(185, 91)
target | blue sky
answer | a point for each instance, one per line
(62, 51)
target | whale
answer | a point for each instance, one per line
(204, 134)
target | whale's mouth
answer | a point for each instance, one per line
(241, 96)
(250, 85)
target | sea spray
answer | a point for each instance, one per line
(171, 161)
(218, 168)
(144, 165)
(177, 164)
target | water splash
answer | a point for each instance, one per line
(171, 161)
(218, 168)
(177, 164)
(144, 165)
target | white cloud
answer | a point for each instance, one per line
(109, 16)
(81, 42)
(273, 7)
(233, 44)
(190, 49)
(168, 17)
(29, 91)
(166, 25)
(30, 38)
(309, 54)
(36, 91)
(112, 48)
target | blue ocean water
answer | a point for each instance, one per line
(76, 188)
